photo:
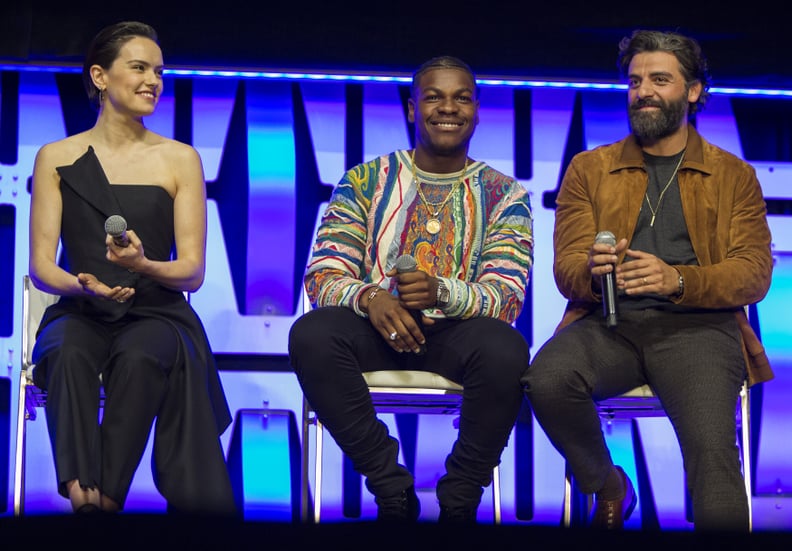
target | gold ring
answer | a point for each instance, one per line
(645, 282)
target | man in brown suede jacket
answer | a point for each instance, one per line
(691, 248)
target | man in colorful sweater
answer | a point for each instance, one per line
(465, 230)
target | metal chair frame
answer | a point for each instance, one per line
(34, 302)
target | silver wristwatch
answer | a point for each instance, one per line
(443, 295)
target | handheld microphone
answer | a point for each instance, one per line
(404, 264)
(116, 227)
(610, 305)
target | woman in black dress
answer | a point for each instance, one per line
(122, 318)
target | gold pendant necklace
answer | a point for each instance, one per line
(660, 199)
(433, 225)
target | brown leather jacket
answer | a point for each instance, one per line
(725, 212)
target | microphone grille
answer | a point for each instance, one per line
(606, 238)
(405, 263)
(115, 225)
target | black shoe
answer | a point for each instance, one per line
(403, 507)
(88, 509)
(457, 515)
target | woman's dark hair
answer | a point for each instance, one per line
(692, 63)
(104, 49)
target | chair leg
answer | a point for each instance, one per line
(523, 462)
(314, 510)
(566, 506)
(305, 482)
(496, 495)
(318, 473)
(576, 505)
(21, 441)
(745, 448)
(649, 518)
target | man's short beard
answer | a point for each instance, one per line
(655, 125)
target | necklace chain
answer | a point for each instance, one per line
(433, 224)
(662, 193)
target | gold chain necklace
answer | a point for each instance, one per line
(660, 199)
(433, 224)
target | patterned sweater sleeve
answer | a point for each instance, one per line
(500, 276)
(334, 276)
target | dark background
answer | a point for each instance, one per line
(748, 44)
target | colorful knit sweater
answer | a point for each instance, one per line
(483, 251)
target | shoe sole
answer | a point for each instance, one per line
(631, 507)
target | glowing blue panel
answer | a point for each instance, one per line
(551, 116)
(384, 121)
(270, 247)
(604, 117)
(619, 438)
(773, 466)
(325, 109)
(161, 121)
(493, 141)
(40, 117)
(718, 124)
(342, 76)
(269, 458)
(213, 101)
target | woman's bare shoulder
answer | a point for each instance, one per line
(178, 158)
(64, 151)
(175, 148)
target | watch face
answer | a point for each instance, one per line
(443, 295)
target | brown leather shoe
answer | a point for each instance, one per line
(611, 514)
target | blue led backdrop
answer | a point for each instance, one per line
(273, 146)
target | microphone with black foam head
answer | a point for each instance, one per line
(404, 264)
(116, 227)
(610, 305)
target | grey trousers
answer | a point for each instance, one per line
(693, 362)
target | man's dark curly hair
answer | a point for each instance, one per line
(692, 63)
(442, 62)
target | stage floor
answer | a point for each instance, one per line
(136, 532)
(158, 531)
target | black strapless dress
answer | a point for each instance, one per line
(190, 468)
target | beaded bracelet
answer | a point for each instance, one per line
(681, 284)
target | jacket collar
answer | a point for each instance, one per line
(632, 154)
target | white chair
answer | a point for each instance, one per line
(642, 402)
(34, 302)
(419, 392)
